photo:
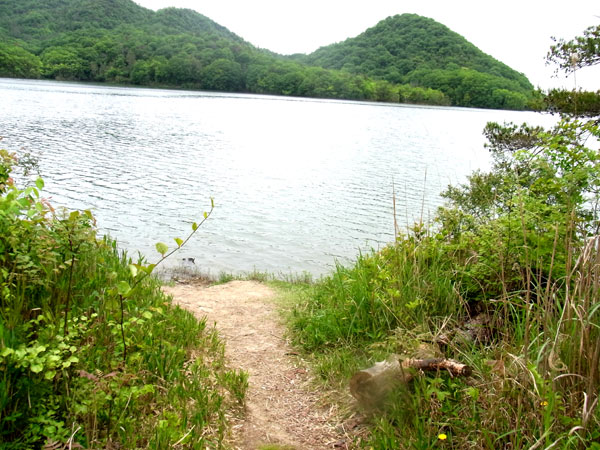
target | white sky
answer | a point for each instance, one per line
(516, 32)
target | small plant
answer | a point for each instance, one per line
(236, 382)
(139, 272)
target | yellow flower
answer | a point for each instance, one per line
(442, 437)
(544, 403)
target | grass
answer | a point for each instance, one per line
(173, 388)
(193, 274)
(87, 361)
(535, 377)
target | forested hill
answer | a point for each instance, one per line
(119, 41)
(413, 49)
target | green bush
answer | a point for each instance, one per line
(91, 350)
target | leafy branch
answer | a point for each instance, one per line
(140, 272)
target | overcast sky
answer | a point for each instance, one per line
(516, 32)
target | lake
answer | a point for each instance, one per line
(297, 183)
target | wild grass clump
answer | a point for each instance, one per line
(91, 354)
(535, 362)
(506, 280)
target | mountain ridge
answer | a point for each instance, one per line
(122, 42)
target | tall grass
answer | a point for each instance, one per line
(535, 367)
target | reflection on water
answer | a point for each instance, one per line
(297, 183)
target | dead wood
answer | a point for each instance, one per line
(453, 367)
(371, 386)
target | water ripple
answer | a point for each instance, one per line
(298, 183)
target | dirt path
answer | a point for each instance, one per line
(281, 407)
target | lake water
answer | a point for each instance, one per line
(297, 183)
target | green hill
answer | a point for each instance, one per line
(412, 49)
(118, 41)
(37, 20)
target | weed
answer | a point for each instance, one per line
(92, 353)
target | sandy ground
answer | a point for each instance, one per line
(281, 406)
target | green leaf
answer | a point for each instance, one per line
(212, 202)
(39, 183)
(50, 374)
(74, 216)
(179, 242)
(123, 288)
(162, 248)
(38, 349)
(147, 315)
(71, 360)
(205, 215)
(441, 395)
(133, 270)
(194, 226)
(53, 359)
(37, 367)
(473, 393)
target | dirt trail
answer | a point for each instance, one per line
(281, 408)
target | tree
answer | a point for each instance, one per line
(116, 40)
(583, 51)
(222, 75)
(543, 189)
(63, 63)
(183, 69)
(17, 62)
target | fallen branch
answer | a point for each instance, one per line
(453, 367)
(371, 386)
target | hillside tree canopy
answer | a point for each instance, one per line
(408, 58)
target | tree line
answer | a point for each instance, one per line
(407, 59)
(415, 50)
(129, 55)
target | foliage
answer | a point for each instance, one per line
(580, 52)
(542, 191)
(118, 41)
(92, 354)
(516, 246)
(18, 62)
(576, 103)
(410, 49)
(469, 87)
(569, 56)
